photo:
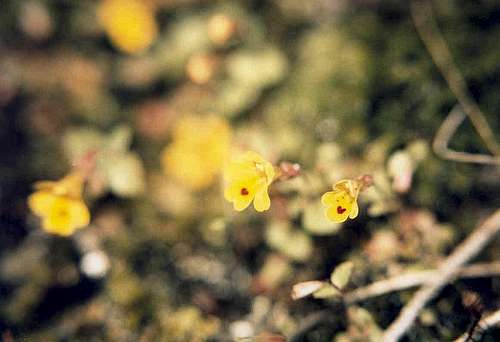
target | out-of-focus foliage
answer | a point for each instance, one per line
(152, 98)
(362, 327)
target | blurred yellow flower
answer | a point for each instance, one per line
(130, 24)
(197, 152)
(248, 178)
(342, 203)
(60, 204)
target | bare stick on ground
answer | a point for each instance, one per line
(469, 248)
(444, 134)
(416, 278)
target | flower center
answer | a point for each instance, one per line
(62, 213)
(340, 210)
(244, 191)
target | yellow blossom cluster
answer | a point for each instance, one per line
(248, 178)
(60, 205)
(342, 202)
(196, 155)
(129, 24)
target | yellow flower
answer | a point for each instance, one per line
(198, 150)
(60, 205)
(342, 203)
(248, 179)
(130, 24)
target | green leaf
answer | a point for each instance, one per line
(327, 291)
(125, 174)
(257, 68)
(291, 242)
(341, 274)
(234, 98)
(77, 142)
(361, 321)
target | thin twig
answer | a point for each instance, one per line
(417, 278)
(444, 134)
(425, 24)
(490, 321)
(469, 248)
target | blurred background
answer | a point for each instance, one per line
(158, 92)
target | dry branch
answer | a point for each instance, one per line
(425, 24)
(417, 278)
(448, 271)
(490, 321)
(444, 134)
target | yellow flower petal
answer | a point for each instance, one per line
(270, 172)
(350, 186)
(130, 24)
(240, 170)
(58, 218)
(340, 205)
(230, 192)
(354, 211)
(328, 198)
(59, 204)
(240, 194)
(248, 165)
(342, 185)
(44, 185)
(261, 201)
(264, 168)
(53, 226)
(40, 202)
(71, 185)
(255, 174)
(337, 215)
(80, 215)
(65, 216)
(241, 204)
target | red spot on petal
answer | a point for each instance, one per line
(340, 210)
(244, 191)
